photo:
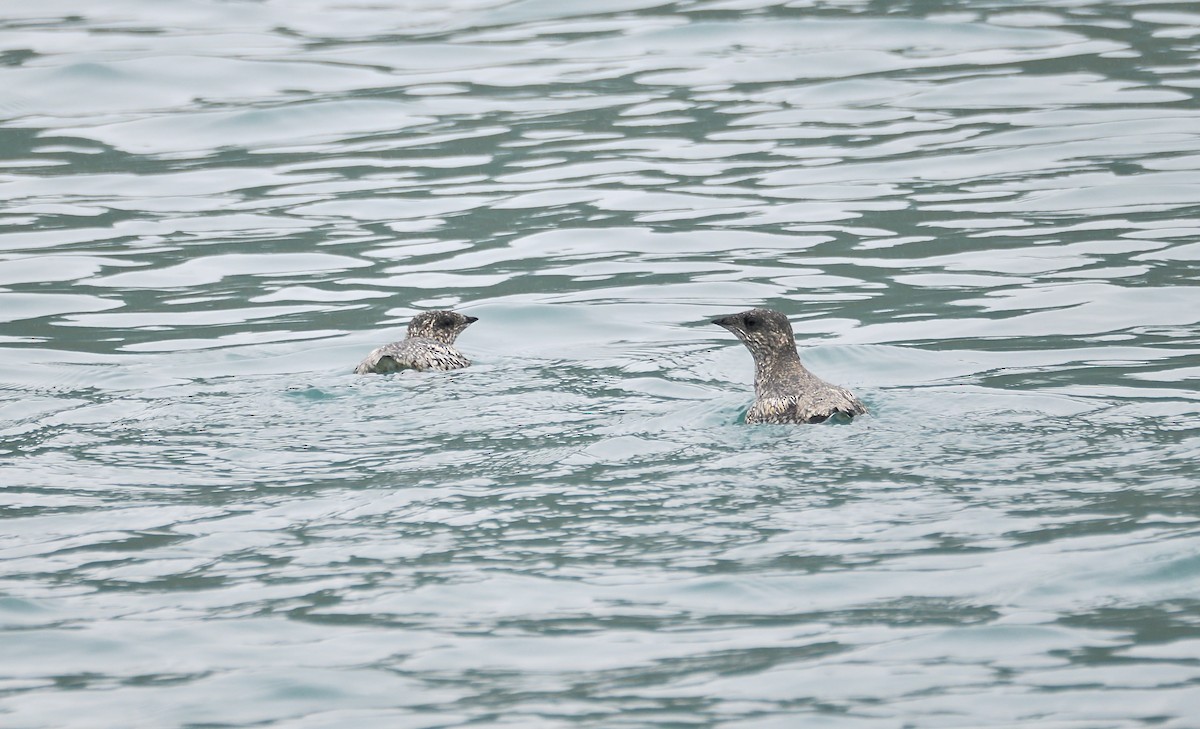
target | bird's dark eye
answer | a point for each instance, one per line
(750, 322)
(445, 322)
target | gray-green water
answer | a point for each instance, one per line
(982, 216)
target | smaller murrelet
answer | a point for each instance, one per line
(784, 390)
(429, 345)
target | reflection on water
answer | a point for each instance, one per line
(981, 217)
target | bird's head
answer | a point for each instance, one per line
(763, 331)
(440, 326)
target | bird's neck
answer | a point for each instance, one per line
(780, 364)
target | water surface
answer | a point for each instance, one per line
(981, 216)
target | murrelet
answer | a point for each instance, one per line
(784, 390)
(429, 345)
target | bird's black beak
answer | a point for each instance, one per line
(472, 319)
(722, 322)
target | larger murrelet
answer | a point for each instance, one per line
(429, 345)
(784, 390)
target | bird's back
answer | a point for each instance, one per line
(414, 353)
(801, 398)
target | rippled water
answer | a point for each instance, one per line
(984, 217)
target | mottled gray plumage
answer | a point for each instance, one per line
(784, 390)
(429, 345)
